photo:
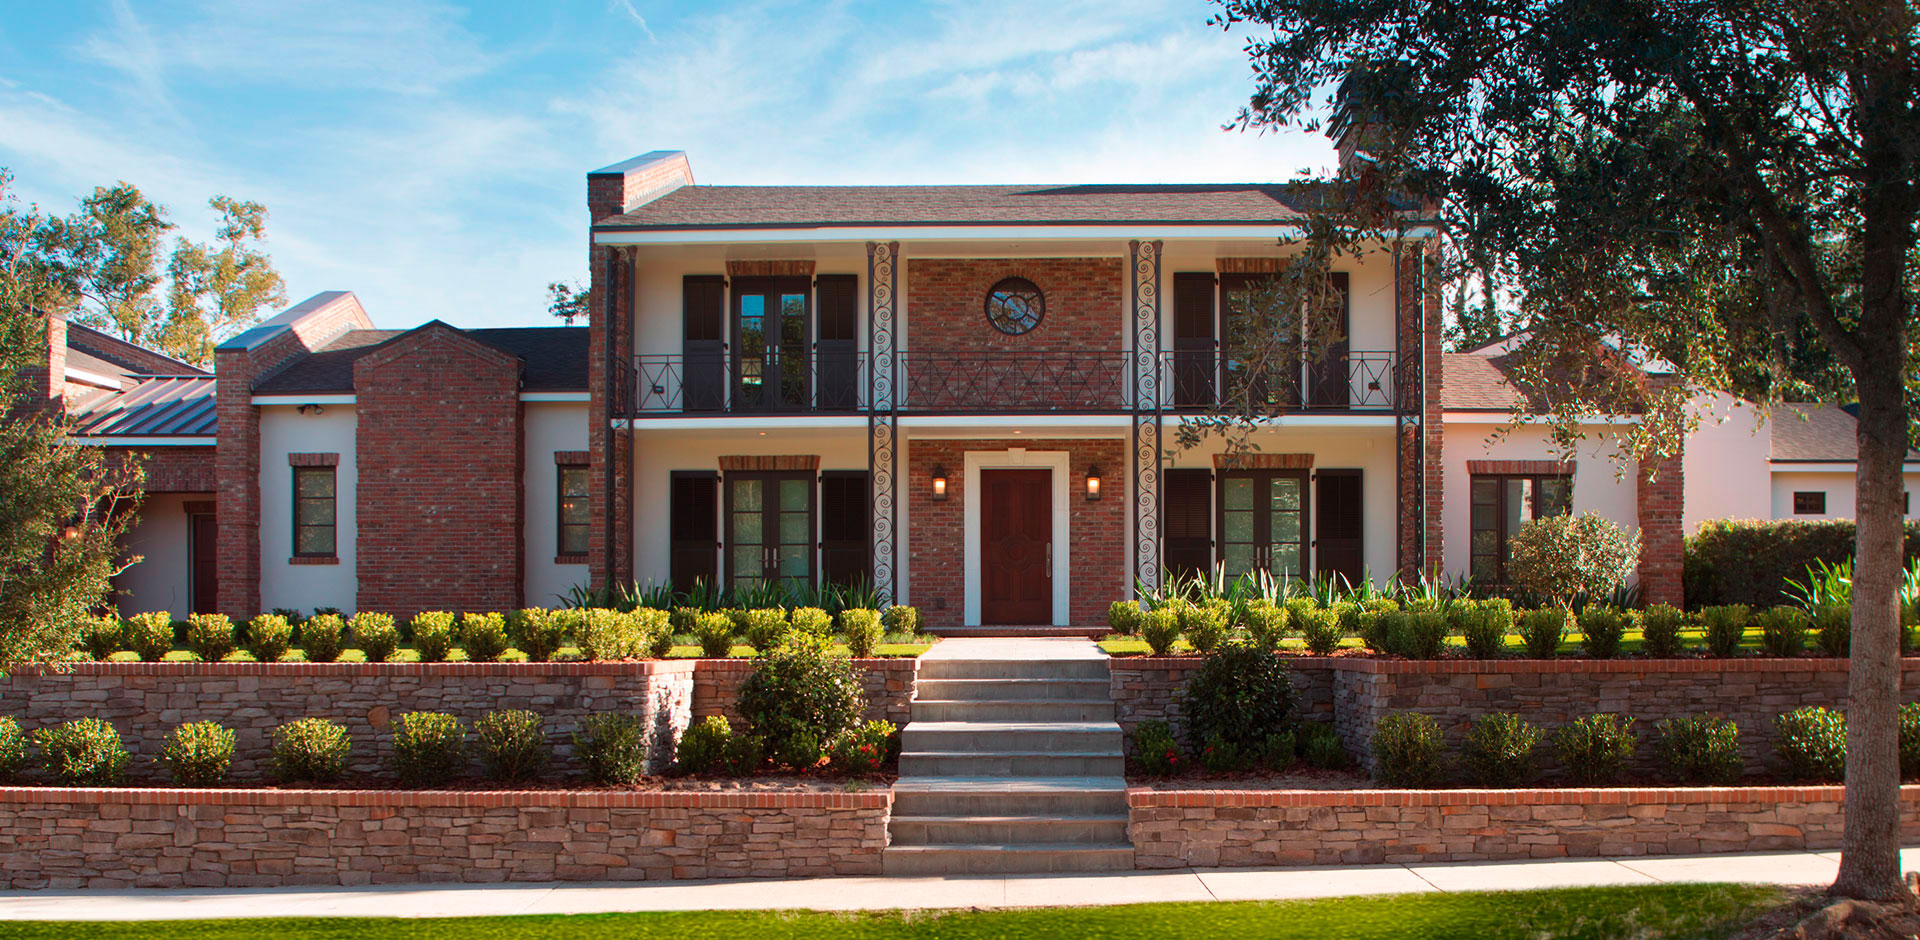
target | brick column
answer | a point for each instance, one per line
(1661, 502)
(1421, 482)
(237, 470)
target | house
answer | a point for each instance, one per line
(1798, 462)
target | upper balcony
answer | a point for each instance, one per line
(944, 382)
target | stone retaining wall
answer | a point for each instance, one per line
(1208, 828)
(120, 838)
(1146, 688)
(888, 684)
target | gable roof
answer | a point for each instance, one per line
(554, 359)
(1472, 382)
(162, 406)
(1817, 433)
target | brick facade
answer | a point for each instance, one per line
(438, 445)
(1086, 305)
(1660, 498)
(173, 469)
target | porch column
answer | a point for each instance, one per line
(1417, 409)
(1148, 402)
(883, 447)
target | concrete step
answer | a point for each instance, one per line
(1085, 668)
(974, 690)
(1011, 763)
(1004, 858)
(1002, 796)
(1097, 736)
(1036, 631)
(939, 710)
(940, 830)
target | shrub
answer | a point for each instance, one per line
(765, 627)
(1320, 746)
(714, 632)
(746, 754)
(1484, 627)
(1221, 756)
(268, 637)
(1602, 629)
(1909, 740)
(799, 696)
(1123, 617)
(1746, 562)
(322, 637)
(433, 635)
(83, 752)
(1568, 556)
(1543, 630)
(375, 635)
(151, 635)
(310, 749)
(210, 636)
(198, 754)
(512, 744)
(683, 618)
(865, 748)
(103, 636)
(655, 632)
(1160, 627)
(1813, 742)
(1386, 631)
(703, 747)
(13, 748)
(1204, 626)
(1276, 750)
(1783, 631)
(813, 621)
(429, 748)
(484, 636)
(1348, 615)
(1266, 624)
(901, 619)
(1154, 748)
(1499, 750)
(1595, 749)
(1320, 628)
(1238, 694)
(1833, 630)
(862, 627)
(1726, 626)
(1406, 749)
(612, 747)
(1701, 749)
(1426, 634)
(537, 632)
(1660, 631)
(610, 634)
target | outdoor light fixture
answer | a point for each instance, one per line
(1093, 482)
(70, 532)
(939, 483)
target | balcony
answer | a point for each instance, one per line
(940, 382)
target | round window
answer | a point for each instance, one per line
(1015, 306)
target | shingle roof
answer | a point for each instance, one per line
(555, 359)
(1817, 433)
(1470, 382)
(804, 206)
(164, 406)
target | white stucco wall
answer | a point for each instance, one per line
(1599, 484)
(659, 273)
(1837, 483)
(1726, 463)
(548, 427)
(283, 431)
(161, 580)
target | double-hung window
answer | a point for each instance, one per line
(313, 512)
(572, 509)
(1501, 505)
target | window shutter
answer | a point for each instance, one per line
(1331, 385)
(846, 537)
(1186, 524)
(838, 377)
(1337, 507)
(1195, 367)
(703, 342)
(694, 528)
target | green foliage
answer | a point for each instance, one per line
(1826, 584)
(322, 637)
(13, 749)
(103, 636)
(198, 754)
(433, 635)
(764, 628)
(865, 748)
(269, 636)
(150, 635)
(1701, 749)
(1221, 756)
(1484, 627)
(1154, 749)
(1812, 741)
(1204, 625)
(1602, 629)
(862, 627)
(1726, 625)
(1783, 631)
(1500, 750)
(606, 633)
(1426, 634)
(1320, 746)
(1595, 749)
(375, 634)
(1569, 556)
(429, 748)
(612, 747)
(1383, 632)
(1909, 741)
(1276, 750)
(703, 747)
(1123, 617)
(683, 618)
(1407, 748)
(714, 632)
(814, 621)
(83, 752)
(656, 631)
(1319, 627)
(484, 635)
(1544, 630)
(210, 636)
(1833, 630)
(1736, 561)
(512, 744)
(1660, 631)
(1160, 627)
(1266, 623)
(310, 749)
(799, 696)
(1238, 695)
(901, 619)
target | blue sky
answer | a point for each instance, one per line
(432, 157)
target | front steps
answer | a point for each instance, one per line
(1032, 632)
(1012, 763)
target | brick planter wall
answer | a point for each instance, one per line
(119, 838)
(147, 700)
(1206, 828)
(888, 684)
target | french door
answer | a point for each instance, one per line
(1263, 522)
(772, 327)
(769, 519)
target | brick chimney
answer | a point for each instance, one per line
(1355, 129)
(623, 186)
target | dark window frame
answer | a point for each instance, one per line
(1806, 498)
(770, 520)
(1262, 535)
(333, 528)
(561, 525)
(1500, 514)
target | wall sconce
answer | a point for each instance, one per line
(316, 409)
(939, 483)
(1093, 482)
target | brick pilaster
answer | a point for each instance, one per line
(1421, 482)
(237, 472)
(1661, 504)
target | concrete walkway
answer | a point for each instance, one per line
(959, 891)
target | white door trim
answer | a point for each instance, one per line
(1015, 459)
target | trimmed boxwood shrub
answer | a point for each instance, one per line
(1500, 750)
(1544, 630)
(863, 630)
(13, 748)
(765, 627)
(1701, 749)
(484, 635)
(1407, 747)
(429, 748)
(1123, 617)
(1160, 627)
(1660, 631)
(537, 632)
(1749, 562)
(1602, 629)
(1205, 625)
(102, 636)
(1266, 623)
(1483, 626)
(612, 747)
(1320, 746)
(512, 744)
(814, 621)
(714, 632)
(1154, 748)
(1783, 631)
(703, 747)
(1833, 629)
(800, 698)
(901, 619)
(322, 637)
(1725, 626)
(375, 634)
(1595, 749)
(433, 635)
(1426, 634)
(310, 749)
(210, 636)
(1813, 743)
(150, 635)
(269, 636)
(198, 754)
(656, 631)
(1319, 627)
(83, 752)
(610, 634)
(1238, 695)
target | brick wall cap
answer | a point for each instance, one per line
(1521, 666)
(643, 667)
(1140, 797)
(556, 799)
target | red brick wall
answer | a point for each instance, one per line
(174, 469)
(1662, 525)
(936, 534)
(1086, 304)
(439, 452)
(1417, 327)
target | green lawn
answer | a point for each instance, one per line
(1629, 643)
(1658, 911)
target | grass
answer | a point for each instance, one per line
(1706, 912)
(897, 646)
(1629, 643)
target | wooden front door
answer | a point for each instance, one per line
(1016, 555)
(203, 539)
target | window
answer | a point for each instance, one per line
(573, 509)
(769, 528)
(1810, 502)
(1500, 506)
(313, 512)
(1015, 306)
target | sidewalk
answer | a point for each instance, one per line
(977, 891)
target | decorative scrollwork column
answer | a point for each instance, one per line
(883, 448)
(1148, 404)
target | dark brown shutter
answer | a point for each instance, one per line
(694, 528)
(1195, 364)
(846, 538)
(838, 375)
(1186, 523)
(1337, 539)
(1331, 385)
(703, 342)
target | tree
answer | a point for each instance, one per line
(63, 507)
(1691, 180)
(567, 301)
(217, 293)
(110, 253)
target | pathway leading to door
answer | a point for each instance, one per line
(1012, 762)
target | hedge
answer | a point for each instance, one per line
(1741, 561)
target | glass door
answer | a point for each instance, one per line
(769, 529)
(1263, 522)
(772, 328)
